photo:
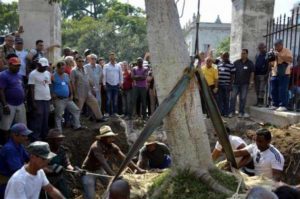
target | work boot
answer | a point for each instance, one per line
(260, 102)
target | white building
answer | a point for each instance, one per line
(210, 34)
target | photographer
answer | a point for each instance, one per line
(280, 76)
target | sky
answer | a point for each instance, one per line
(209, 9)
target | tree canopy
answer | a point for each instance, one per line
(9, 20)
(120, 28)
(100, 25)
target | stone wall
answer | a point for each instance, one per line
(249, 24)
(41, 21)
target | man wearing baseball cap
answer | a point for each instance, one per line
(12, 97)
(102, 150)
(28, 181)
(13, 155)
(39, 81)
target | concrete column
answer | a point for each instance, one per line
(249, 24)
(41, 21)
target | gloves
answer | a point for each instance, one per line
(56, 168)
(79, 171)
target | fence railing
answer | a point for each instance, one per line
(287, 28)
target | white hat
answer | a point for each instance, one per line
(105, 131)
(44, 62)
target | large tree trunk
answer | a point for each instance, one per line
(185, 125)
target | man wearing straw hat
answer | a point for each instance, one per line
(154, 155)
(97, 158)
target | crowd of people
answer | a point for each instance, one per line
(271, 75)
(78, 85)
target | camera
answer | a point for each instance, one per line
(270, 56)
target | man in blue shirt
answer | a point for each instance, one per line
(12, 97)
(63, 97)
(13, 155)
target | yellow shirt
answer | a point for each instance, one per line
(210, 74)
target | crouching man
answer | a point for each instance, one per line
(154, 155)
(96, 161)
(268, 161)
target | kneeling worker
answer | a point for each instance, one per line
(154, 155)
(97, 158)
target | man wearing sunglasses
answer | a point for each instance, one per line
(268, 161)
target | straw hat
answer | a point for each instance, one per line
(105, 131)
(151, 140)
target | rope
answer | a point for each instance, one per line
(89, 173)
(236, 194)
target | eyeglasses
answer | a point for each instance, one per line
(79, 61)
(258, 156)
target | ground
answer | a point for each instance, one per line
(287, 140)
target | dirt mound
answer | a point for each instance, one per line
(287, 141)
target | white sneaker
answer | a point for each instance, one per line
(240, 115)
(246, 115)
(230, 115)
(281, 108)
(273, 107)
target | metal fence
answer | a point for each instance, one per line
(287, 28)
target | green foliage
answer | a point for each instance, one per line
(117, 31)
(9, 20)
(224, 46)
(76, 9)
(186, 185)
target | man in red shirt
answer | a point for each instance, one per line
(127, 90)
(295, 84)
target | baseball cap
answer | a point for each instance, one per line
(14, 61)
(20, 128)
(18, 40)
(43, 61)
(41, 149)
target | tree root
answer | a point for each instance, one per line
(205, 177)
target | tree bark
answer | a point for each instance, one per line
(185, 125)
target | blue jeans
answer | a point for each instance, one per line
(223, 99)
(89, 185)
(279, 90)
(112, 93)
(166, 164)
(242, 91)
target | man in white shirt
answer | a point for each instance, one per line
(28, 181)
(39, 80)
(268, 161)
(235, 142)
(112, 82)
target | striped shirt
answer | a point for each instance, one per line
(266, 161)
(226, 69)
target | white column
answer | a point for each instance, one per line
(41, 21)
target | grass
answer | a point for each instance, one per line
(186, 186)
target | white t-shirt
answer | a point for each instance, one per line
(41, 83)
(23, 185)
(266, 160)
(235, 142)
(22, 56)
